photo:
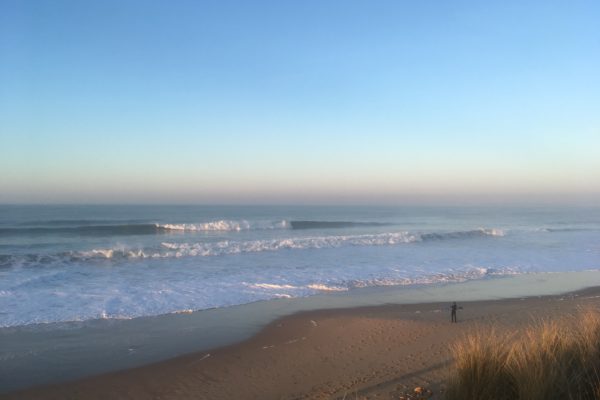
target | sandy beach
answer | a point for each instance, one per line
(381, 352)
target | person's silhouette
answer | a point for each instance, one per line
(453, 312)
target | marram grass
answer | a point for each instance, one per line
(559, 359)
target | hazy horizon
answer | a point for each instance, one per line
(555, 201)
(384, 103)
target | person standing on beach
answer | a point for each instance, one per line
(453, 312)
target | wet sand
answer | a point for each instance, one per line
(381, 352)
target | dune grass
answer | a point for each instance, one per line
(557, 359)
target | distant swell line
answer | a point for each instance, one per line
(140, 229)
(102, 230)
(155, 228)
(332, 224)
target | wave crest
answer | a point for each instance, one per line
(226, 247)
(224, 226)
(230, 247)
(481, 232)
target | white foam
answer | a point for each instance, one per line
(225, 226)
(325, 288)
(105, 253)
(493, 232)
(271, 286)
(320, 287)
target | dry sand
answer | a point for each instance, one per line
(381, 352)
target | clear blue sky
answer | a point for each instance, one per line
(299, 101)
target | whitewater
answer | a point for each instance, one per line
(80, 263)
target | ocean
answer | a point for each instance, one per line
(80, 263)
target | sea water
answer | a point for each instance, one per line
(79, 263)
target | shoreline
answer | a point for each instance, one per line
(240, 328)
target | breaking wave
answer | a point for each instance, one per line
(170, 249)
(227, 247)
(225, 226)
(243, 225)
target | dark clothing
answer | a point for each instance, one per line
(453, 312)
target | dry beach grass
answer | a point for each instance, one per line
(553, 359)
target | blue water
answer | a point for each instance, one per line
(66, 263)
